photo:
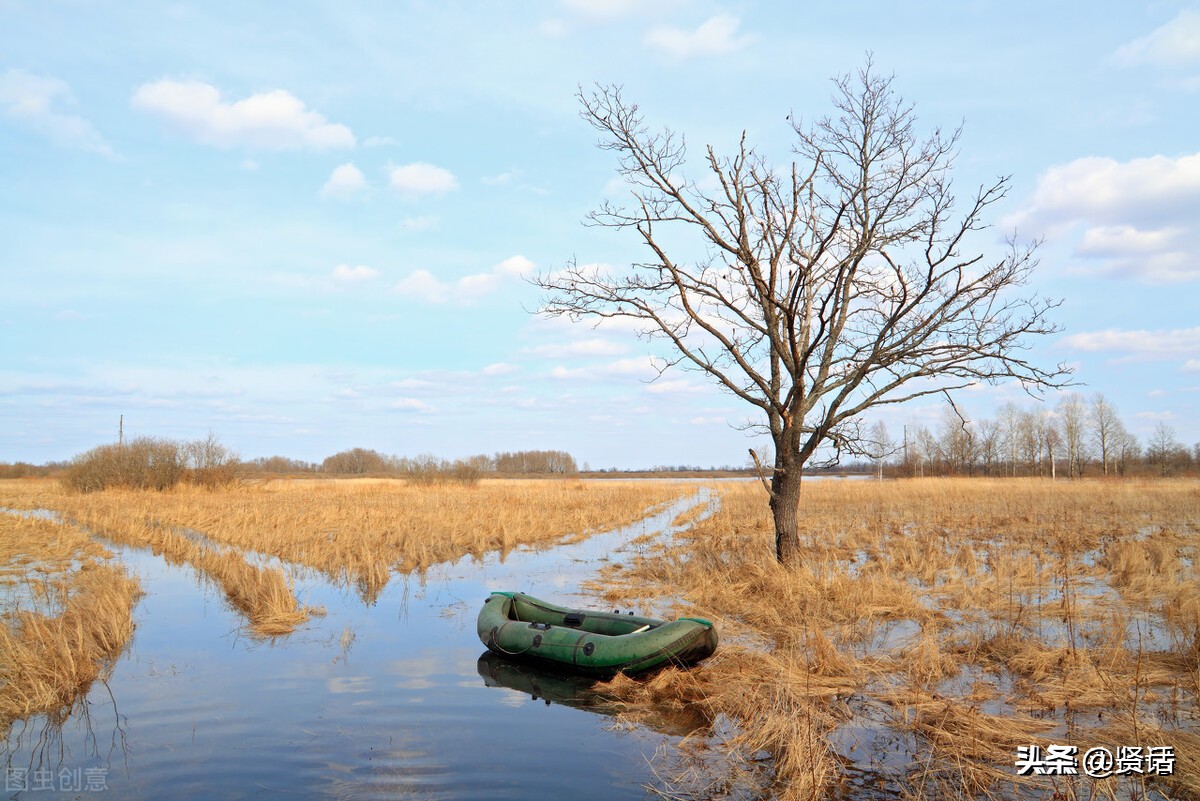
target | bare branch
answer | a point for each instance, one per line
(842, 281)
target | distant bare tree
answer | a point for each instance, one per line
(1162, 449)
(356, 461)
(1010, 427)
(1072, 424)
(925, 449)
(957, 442)
(1053, 440)
(1126, 449)
(881, 446)
(210, 463)
(1032, 438)
(988, 451)
(833, 285)
(1102, 416)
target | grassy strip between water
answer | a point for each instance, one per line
(932, 627)
(66, 617)
(264, 595)
(355, 530)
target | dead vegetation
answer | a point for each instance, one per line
(66, 616)
(954, 620)
(356, 531)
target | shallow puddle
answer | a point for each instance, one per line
(381, 700)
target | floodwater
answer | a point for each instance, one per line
(393, 699)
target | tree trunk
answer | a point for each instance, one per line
(785, 509)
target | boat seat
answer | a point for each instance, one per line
(573, 619)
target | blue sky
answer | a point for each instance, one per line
(305, 227)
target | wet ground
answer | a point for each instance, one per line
(384, 700)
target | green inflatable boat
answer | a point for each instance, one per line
(515, 624)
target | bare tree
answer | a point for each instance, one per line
(1126, 449)
(1162, 449)
(1053, 440)
(1072, 425)
(837, 283)
(957, 444)
(1105, 425)
(881, 446)
(1010, 424)
(988, 450)
(925, 447)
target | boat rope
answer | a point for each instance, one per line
(497, 644)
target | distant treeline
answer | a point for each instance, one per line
(364, 461)
(1077, 437)
(157, 463)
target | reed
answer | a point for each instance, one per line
(972, 615)
(65, 618)
(264, 595)
(361, 530)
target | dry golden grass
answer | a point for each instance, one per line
(65, 616)
(359, 530)
(981, 613)
(264, 595)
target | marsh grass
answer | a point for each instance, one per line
(66, 616)
(971, 616)
(356, 531)
(359, 531)
(264, 595)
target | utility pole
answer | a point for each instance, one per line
(121, 432)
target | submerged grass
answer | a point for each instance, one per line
(65, 616)
(960, 618)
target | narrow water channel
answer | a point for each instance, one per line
(384, 700)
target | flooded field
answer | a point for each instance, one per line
(932, 632)
(390, 696)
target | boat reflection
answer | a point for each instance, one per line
(582, 692)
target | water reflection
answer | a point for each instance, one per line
(580, 692)
(380, 698)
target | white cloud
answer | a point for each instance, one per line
(420, 222)
(581, 347)
(1191, 366)
(515, 265)
(420, 178)
(33, 100)
(1137, 216)
(674, 386)
(424, 285)
(603, 9)
(344, 182)
(643, 368)
(380, 141)
(344, 272)
(501, 179)
(409, 405)
(1175, 44)
(274, 120)
(1163, 344)
(716, 36)
(249, 165)
(499, 368)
